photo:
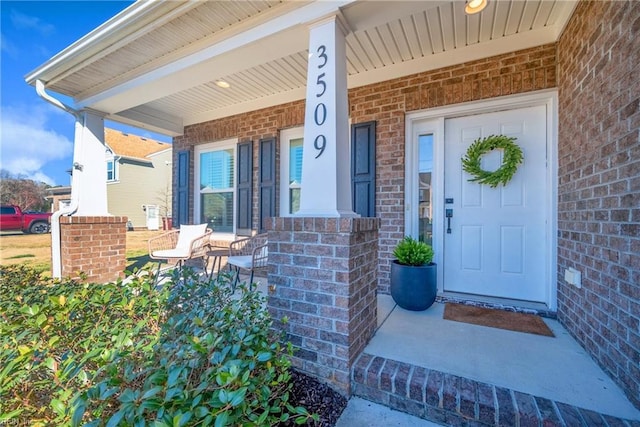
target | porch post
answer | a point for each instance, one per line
(323, 262)
(91, 241)
(89, 178)
(326, 186)
(323, 279)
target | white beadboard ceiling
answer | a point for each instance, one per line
(157, 69)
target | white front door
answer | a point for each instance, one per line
(495, 241)
(153, 219)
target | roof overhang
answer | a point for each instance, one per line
(155, 64)
(135, 160)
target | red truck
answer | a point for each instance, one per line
(12, 218)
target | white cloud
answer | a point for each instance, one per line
(28, 142)
(8, 47)
(38, 31)
(31, 23)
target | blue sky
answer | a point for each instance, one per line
(36, 139)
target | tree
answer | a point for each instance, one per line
(164, 198)
(26, 193)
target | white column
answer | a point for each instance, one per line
(89, 177)
(326, 174)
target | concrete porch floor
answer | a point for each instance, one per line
(558, 368)
(555, 369)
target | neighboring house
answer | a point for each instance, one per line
(60, 197)
(260, 134)
(138, 179)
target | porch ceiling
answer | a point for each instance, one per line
(155, 64)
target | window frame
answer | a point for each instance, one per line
(221, 145)
(112, 159)
(286, 135)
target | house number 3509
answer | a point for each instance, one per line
(320, 112)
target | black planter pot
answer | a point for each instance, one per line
(413, 288)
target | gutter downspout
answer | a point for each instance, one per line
(56, 258)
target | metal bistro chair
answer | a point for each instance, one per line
(249, 253)
(190, 242)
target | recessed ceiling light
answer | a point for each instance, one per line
(475, 6)
(223, 84)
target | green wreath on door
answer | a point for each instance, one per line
(512, 158)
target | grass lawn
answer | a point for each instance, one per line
(34, 250)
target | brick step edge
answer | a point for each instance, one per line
(457, 401)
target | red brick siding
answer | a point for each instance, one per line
(94, 246)
(386, 102)
(599, 185)
(255, 125)
(323, 273)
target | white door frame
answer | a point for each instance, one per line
(432, 121)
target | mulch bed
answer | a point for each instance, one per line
(318, 398)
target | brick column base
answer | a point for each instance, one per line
(323, 278)
(93, 245)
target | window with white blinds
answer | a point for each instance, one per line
(215, 195)
(291, 142)
(216, 170)
(295, 174)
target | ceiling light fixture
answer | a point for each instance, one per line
(475, 6)
(223, 84)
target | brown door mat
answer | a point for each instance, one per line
(519, 322)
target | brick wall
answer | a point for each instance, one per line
(599, 185)
(386, 102)
(324, 275)
(93, 245)
(256, 125)
(56, 200)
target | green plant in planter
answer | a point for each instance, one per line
(413, 279)
(413, 252)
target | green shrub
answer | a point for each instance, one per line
(56, 335)
(413, 252)
(126, 353)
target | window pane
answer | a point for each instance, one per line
(217, 211)
(295, 161)
(295, 174)
(294, 200)
(110, 174)
(216, 170)
(425, 214)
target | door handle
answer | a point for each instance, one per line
(449, 214)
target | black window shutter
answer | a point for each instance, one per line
(245, 186)
(181, 212)
(363, 168)
(267, 197)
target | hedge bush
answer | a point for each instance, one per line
(127, 353)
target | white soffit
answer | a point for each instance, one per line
(166, 72)
(399, 44)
